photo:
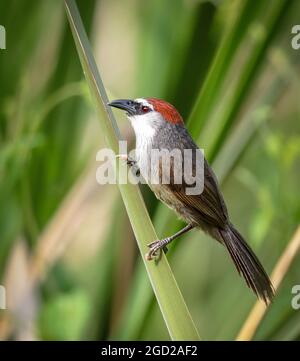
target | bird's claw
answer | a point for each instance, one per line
(131, 162)
(154, 248)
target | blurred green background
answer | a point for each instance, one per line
(68, 258)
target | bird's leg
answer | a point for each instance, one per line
(161, 244)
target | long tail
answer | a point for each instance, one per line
(247, 264)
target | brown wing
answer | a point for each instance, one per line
(209, 205)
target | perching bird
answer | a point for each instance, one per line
(158, 125)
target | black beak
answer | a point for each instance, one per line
(125, 104)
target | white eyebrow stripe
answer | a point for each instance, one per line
(144, 102)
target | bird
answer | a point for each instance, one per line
(159, 126)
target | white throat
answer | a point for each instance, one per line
(143, 125)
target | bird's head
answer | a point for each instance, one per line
(148, 114)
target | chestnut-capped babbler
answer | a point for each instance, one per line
(158, 125)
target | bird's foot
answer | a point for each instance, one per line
(155, 249)
(131, 162)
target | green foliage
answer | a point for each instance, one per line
(64, 317)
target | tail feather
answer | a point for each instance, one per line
(247, 264)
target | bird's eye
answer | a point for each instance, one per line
(145, 109)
